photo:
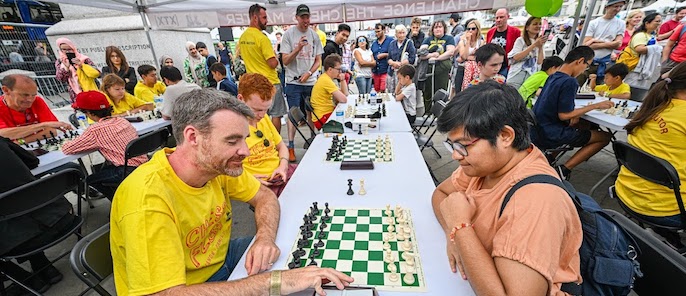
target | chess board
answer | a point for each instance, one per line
(143, 116)
(53, 142)
(354, 245)
(362, 149)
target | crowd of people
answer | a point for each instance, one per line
(509, 103)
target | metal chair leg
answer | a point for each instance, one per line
(613, 171)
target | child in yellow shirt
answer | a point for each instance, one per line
(614, 86)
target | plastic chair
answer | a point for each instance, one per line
(33, 196)
(653, 169)
(663, 268)
(143, 145)
(638, 94)
(295, 115)
(91, 259)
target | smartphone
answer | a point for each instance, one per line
(547, 32)
(71, 56)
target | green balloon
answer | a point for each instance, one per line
(538, 8)
(556, 5)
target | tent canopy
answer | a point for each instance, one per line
(174, 14)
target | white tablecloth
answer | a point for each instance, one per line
(405, 181)
(613, 122)
(395, 120)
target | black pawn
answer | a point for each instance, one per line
(291, 265)
(319, 244)
(312, 263)
(315, 252)
(323, 225)
(350, 187)
(360, 129)
(321, 235)
(314, 204)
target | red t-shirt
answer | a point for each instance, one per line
(38, 112)
(668, 26)
(679, 51)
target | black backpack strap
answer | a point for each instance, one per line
(541, 178)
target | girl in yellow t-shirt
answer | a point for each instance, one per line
(114, 88)
(658, 128)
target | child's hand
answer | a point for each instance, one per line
(601, 93)
(592, 77)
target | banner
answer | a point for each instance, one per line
(404, 8)
(183, 20)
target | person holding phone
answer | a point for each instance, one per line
(76, 69)
(526, 56)
(268, 159)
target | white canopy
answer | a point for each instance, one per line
(174, 14)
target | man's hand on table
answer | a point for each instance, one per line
(261, 255)
(299, 279)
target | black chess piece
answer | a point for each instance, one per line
(360, 129)
(291, 265)
(350, 187)
(314, 204)
(323, 225)
(319, 244)
(315, 251)
(322, 235)
(312, 263)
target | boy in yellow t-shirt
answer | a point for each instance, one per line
(149, 87)
(268, 159)
(614, 86)
(325, 93)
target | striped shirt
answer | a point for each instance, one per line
(110, 136)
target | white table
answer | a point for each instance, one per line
(54, 159)
(405, 181)
(395, 121)
(613, 122)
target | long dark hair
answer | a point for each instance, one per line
(366, 42)
(527, 39)
(659, 97)
(108, 53)
(642, 28)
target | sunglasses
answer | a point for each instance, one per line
(260, 135)
(460, 148)
(361, 40)
(471, 29)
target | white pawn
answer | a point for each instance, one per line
(386, 245)
(408, 278)
(407, 246)
(388, 210)
(393, 277)
(400, 236)
(392, 268)
(390, 228)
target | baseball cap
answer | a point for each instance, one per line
(302, 10)
(613, 2)
(456, 16)
(91, 100)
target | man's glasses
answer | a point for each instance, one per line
(260, 135)
(472, 29)
(338, 69)
(456, 146)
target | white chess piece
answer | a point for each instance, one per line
(388, 210)
(408, 278)
(386, 245)
(393, 277)
(400, 236)
(407, 245)
(362, 191)
(390, 228)
(392, 267)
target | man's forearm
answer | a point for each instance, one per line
(267, 214)
(29, 133)
(287, 58)
(254, 285)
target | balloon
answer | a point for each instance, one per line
(556, 5)
(538, 8)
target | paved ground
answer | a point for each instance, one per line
(583, 178)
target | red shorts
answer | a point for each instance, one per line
(379, 82)
(319, 123)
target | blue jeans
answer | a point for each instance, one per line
(669, 221)
(602, 65)
(364, 84)
(297, 94)
(228, 73)
(237, 247)
(107, 175)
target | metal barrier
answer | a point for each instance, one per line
(19, 48)
(55, 92)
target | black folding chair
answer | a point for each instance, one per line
(34, 196)
(653, 169)
(91, 259)
(424, 141)
(295, 115)
(74, 121)
(429, 120)
(552, 154)
(664, 270)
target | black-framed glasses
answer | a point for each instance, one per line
(260, 135)
(339, 69)
(457, 146)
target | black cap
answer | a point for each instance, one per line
(456, 16)
(613, 2)
(302, 10)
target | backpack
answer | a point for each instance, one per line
(608, 253)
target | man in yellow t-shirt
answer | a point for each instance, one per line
(268, 160)
(325, 93)
(259, 57)
(149, 87)
(170, 223)
(614, 86)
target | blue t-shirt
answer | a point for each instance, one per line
(228, 86)
(224, 54)
(439, 44)
(381, 64)
(557, 96)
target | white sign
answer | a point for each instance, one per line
(182, 20)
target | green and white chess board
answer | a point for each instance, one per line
(358, 243)
(376, 150)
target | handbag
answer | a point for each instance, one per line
(628, 57)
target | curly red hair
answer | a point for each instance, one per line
(255, 83)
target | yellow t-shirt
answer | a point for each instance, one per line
(164, 233)
(262, 160)
(256, 49)
(621, 89)
(129, 102)
(664, 137)
(147, 93)
(322, 102)
(322, 36)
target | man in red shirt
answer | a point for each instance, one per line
(675, 50)
(667, 28)
(503, 35)
(23, 114)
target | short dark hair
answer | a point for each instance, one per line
(679, 9)
(145, 69)
(484, 53)
(579, 52)
(200, 44)
(619, 69)
(331, 60)
(255, 9)
(407, 70)
(550, 62)
(380, 26)
(171, 73)
(10, 80)
(100, 113)
(218, 67)
(483, 110)
(344, 27)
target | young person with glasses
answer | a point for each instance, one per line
(325, 92)
(268, 159)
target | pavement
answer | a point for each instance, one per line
(441, 163)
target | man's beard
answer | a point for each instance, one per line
(210, 162)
